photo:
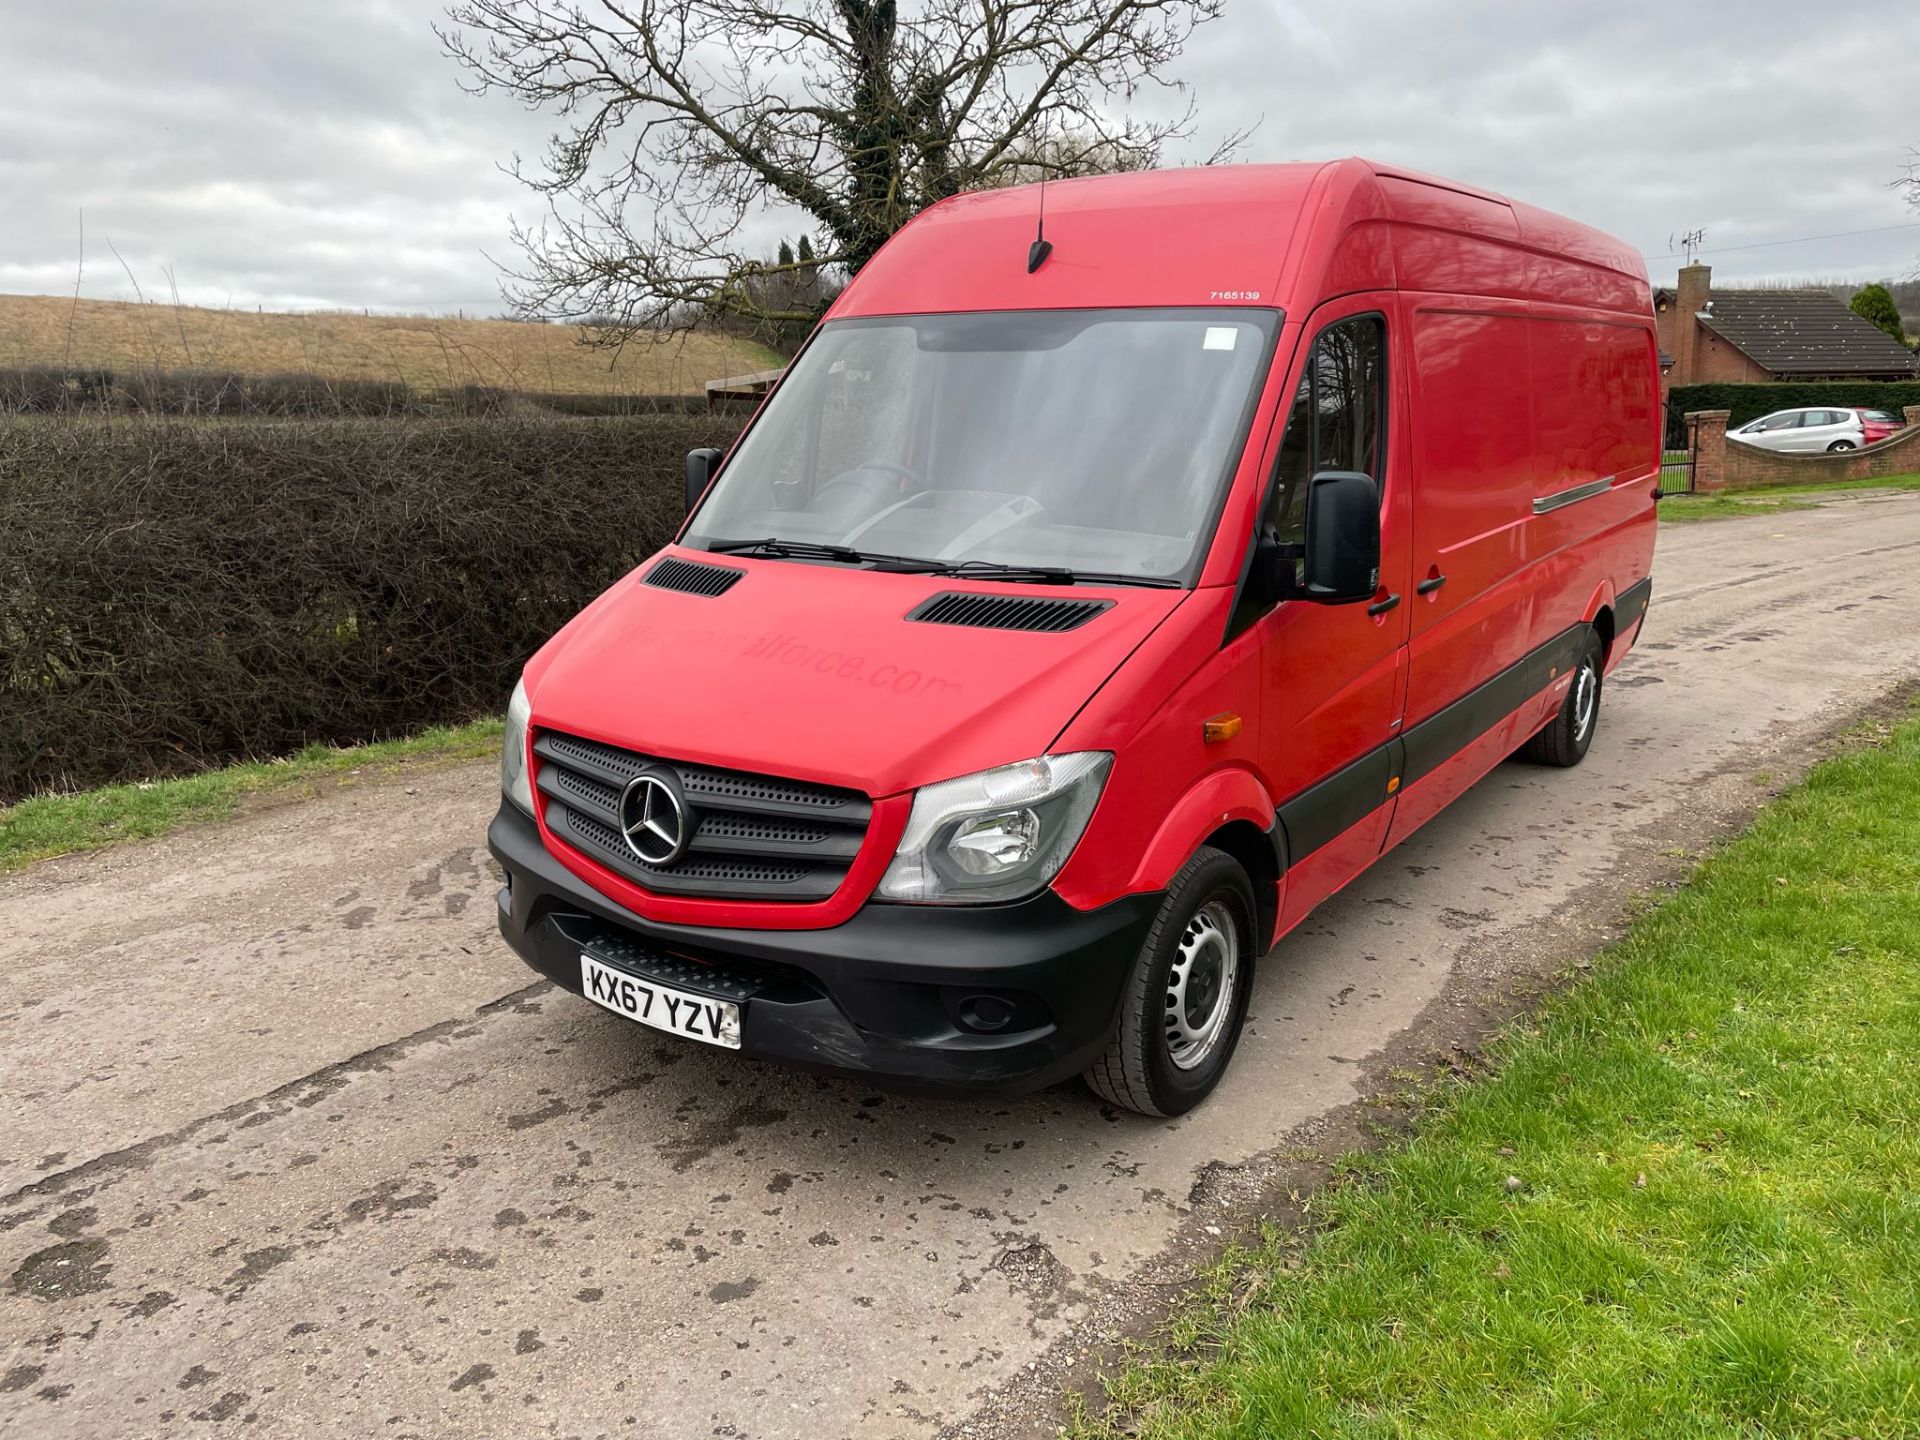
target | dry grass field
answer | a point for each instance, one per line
(425, 352)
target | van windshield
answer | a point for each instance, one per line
(1096, 441)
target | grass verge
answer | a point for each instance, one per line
(1686, 1204)
(48, 825)
(1725, 504)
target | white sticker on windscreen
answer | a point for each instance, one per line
(1220, 337)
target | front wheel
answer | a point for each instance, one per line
(1838, 446)
(1566, 738)
(1186, 996)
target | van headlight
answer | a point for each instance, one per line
(996, 835)
(515, 783)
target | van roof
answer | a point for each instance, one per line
(1235, 235)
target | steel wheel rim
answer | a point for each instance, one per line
(1586, 694)
(1201, 985)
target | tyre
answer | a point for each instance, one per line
(1565, 739)
(1186, 997)
(1839, 445)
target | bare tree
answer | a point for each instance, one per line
(682, 118)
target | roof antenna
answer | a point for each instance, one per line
(1041, 247)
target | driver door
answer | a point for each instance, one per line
(1334, 675)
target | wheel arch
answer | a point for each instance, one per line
(1230, 810)
(1258, 852)
(1602, 622)
(1599, 614)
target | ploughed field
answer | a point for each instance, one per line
(294, 1140)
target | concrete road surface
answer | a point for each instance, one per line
(293, 1146)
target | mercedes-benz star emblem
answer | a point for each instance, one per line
(653, 818)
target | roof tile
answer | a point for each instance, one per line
(1804, 332)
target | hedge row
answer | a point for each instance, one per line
(175, 594)
(592, 404)
(51, 390)
(1750, 402)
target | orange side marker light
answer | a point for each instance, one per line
(1221, 727)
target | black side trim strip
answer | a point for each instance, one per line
(1631, 604)
(1323, 810)
(1442, 735)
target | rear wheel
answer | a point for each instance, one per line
(1839, 445)
(1565, 740)
(1186, 997)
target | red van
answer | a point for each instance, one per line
(1083, 609)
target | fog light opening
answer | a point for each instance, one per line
(986, 1013)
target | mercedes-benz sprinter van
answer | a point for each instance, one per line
(1079, 611)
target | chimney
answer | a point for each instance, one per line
(1691, 295)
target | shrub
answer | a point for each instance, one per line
(483, 400)
(591, 404)
(47, 389)
(182, 392)
(287, 393)
(175, 594)
(37, 389)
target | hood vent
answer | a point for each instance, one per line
(1006, 612)
(673, 573)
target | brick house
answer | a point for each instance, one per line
(1710, 336)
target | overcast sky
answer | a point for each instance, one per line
(322, 154)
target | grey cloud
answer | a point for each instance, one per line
(1758, 121)
(291, 154)
(278, 154)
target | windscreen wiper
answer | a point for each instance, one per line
(777, 548)
(1049, 575)
(780, 549)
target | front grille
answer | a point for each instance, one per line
(752, 837)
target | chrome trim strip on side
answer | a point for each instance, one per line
(1585, 491)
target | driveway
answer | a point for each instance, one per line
(292, 1144)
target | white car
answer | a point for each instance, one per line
(1804, 431)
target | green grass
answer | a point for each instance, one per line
(1715, 1229)
(48, 825)
(1726, 504)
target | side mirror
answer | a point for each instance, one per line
(1343, 538)
(701, 464)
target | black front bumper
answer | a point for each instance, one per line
(896, 991)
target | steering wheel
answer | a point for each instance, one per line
(856, 477)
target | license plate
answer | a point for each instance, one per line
(713, 1022)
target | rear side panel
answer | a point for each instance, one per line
(1536, 450)
(1596, 426)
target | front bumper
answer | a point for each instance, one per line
(886, 993)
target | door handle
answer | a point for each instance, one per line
(1430, 584)
(1380, 607)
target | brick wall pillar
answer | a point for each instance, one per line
(1707, 438)
(1913, 414)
